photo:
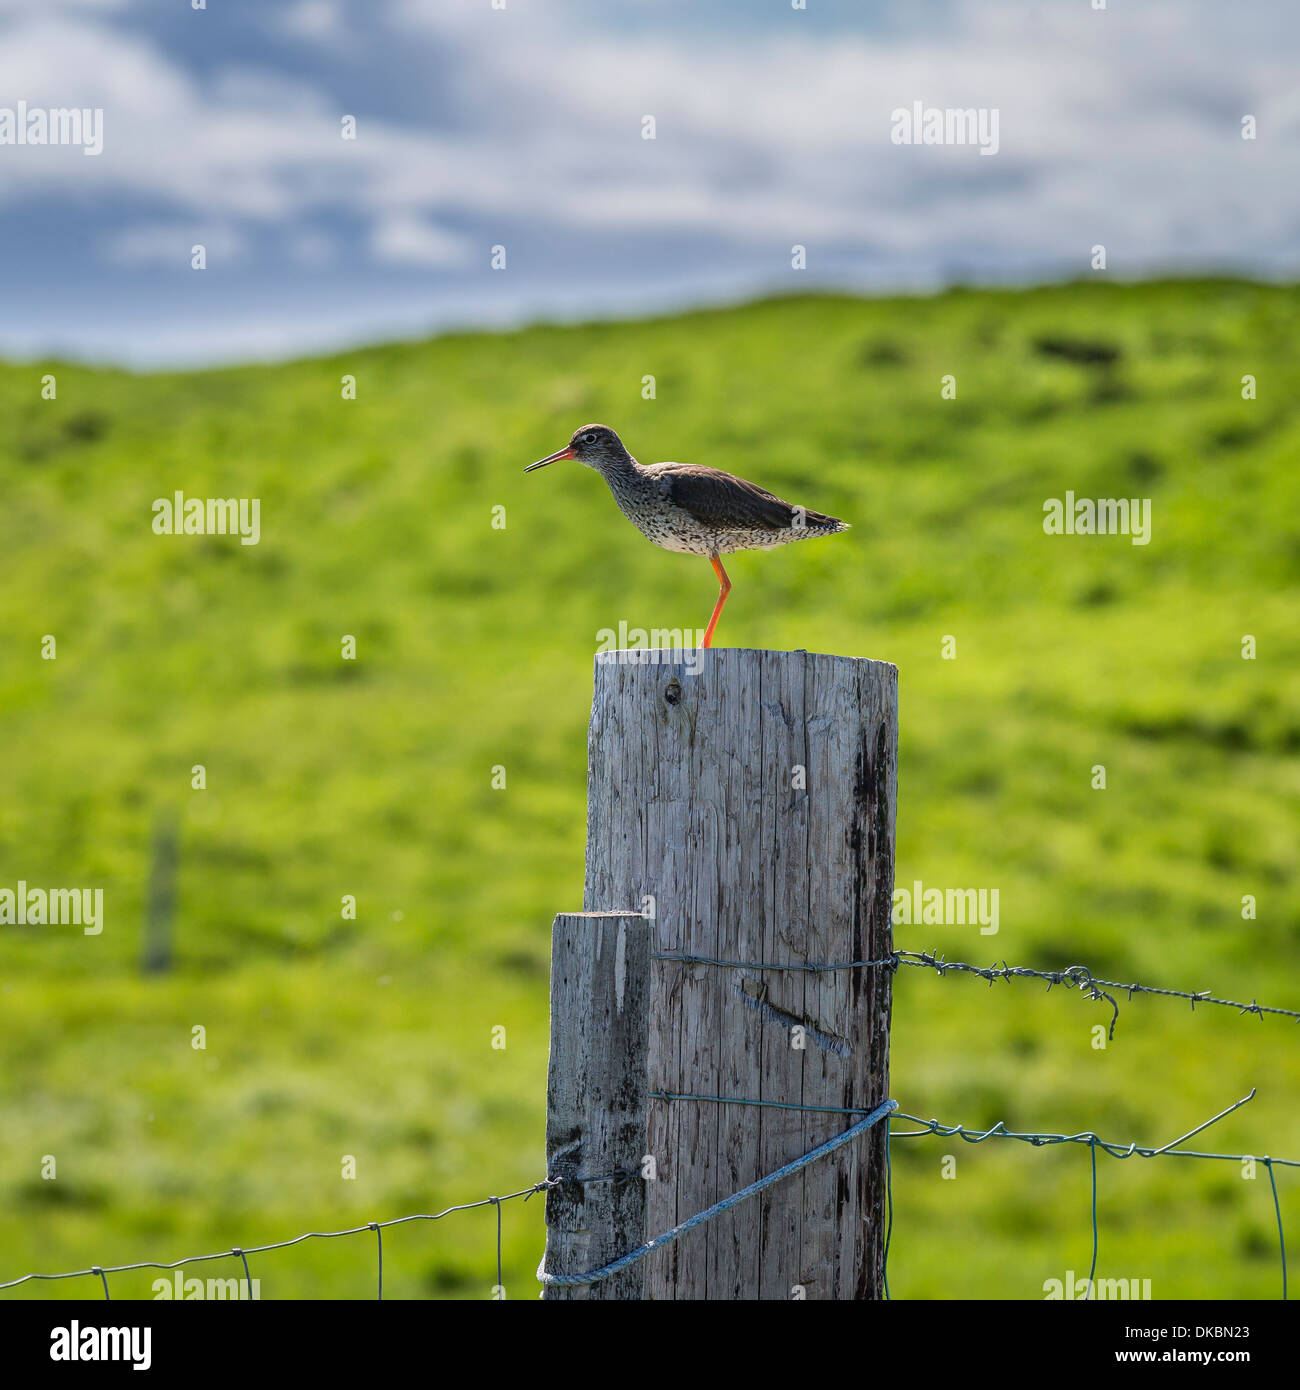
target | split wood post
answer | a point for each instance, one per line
(596, 1099)
(745, 801)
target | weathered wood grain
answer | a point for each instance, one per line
(596, 1099)
(751, 795)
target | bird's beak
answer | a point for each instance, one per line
(565, 453)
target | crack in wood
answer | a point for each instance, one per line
(755, 994)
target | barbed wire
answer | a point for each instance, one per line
(242, 1252)
(1071, 976)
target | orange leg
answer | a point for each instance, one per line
(724, 585)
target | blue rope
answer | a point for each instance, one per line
(605, 1271)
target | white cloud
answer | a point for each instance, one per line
(1113, 124)
(405, 240)
(1119, 126)
(763, 140)
(318, 21)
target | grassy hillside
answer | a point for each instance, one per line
(372, 1038)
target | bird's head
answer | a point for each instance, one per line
(597, 446)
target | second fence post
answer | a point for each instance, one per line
(745, 801)
(596, 1100)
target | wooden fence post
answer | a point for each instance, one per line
(596, 1099)
(745, 800)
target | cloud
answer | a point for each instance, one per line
(776, 138)
(411, 241)
(1128, 120)
(1119, 126)
(318, 21)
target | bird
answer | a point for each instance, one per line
(692, 509)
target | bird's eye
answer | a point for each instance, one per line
(589, 438)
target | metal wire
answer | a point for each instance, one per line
(1281, 1235)
(1116, 1150)
(379, 1236)
(605, 1271)
(242, 1254)
(1170, 1150)
(1037, 1139)
(248, 1278)
(496, 1202)
(889, 1201)
(744, 1100)
(886, 1111)
(997, 1131)
(1075, 976)
(1072, 976)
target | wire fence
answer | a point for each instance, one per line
(243, 1252)
(999, 1131)
(885, 1112)
(1072, 977)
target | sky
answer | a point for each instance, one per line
(521, 124)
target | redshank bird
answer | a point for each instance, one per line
(686, 507)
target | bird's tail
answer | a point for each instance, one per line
(819, 521)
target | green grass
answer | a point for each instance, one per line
(373, 1038)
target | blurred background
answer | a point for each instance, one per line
(628, 258)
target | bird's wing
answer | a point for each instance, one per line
(721, 501)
